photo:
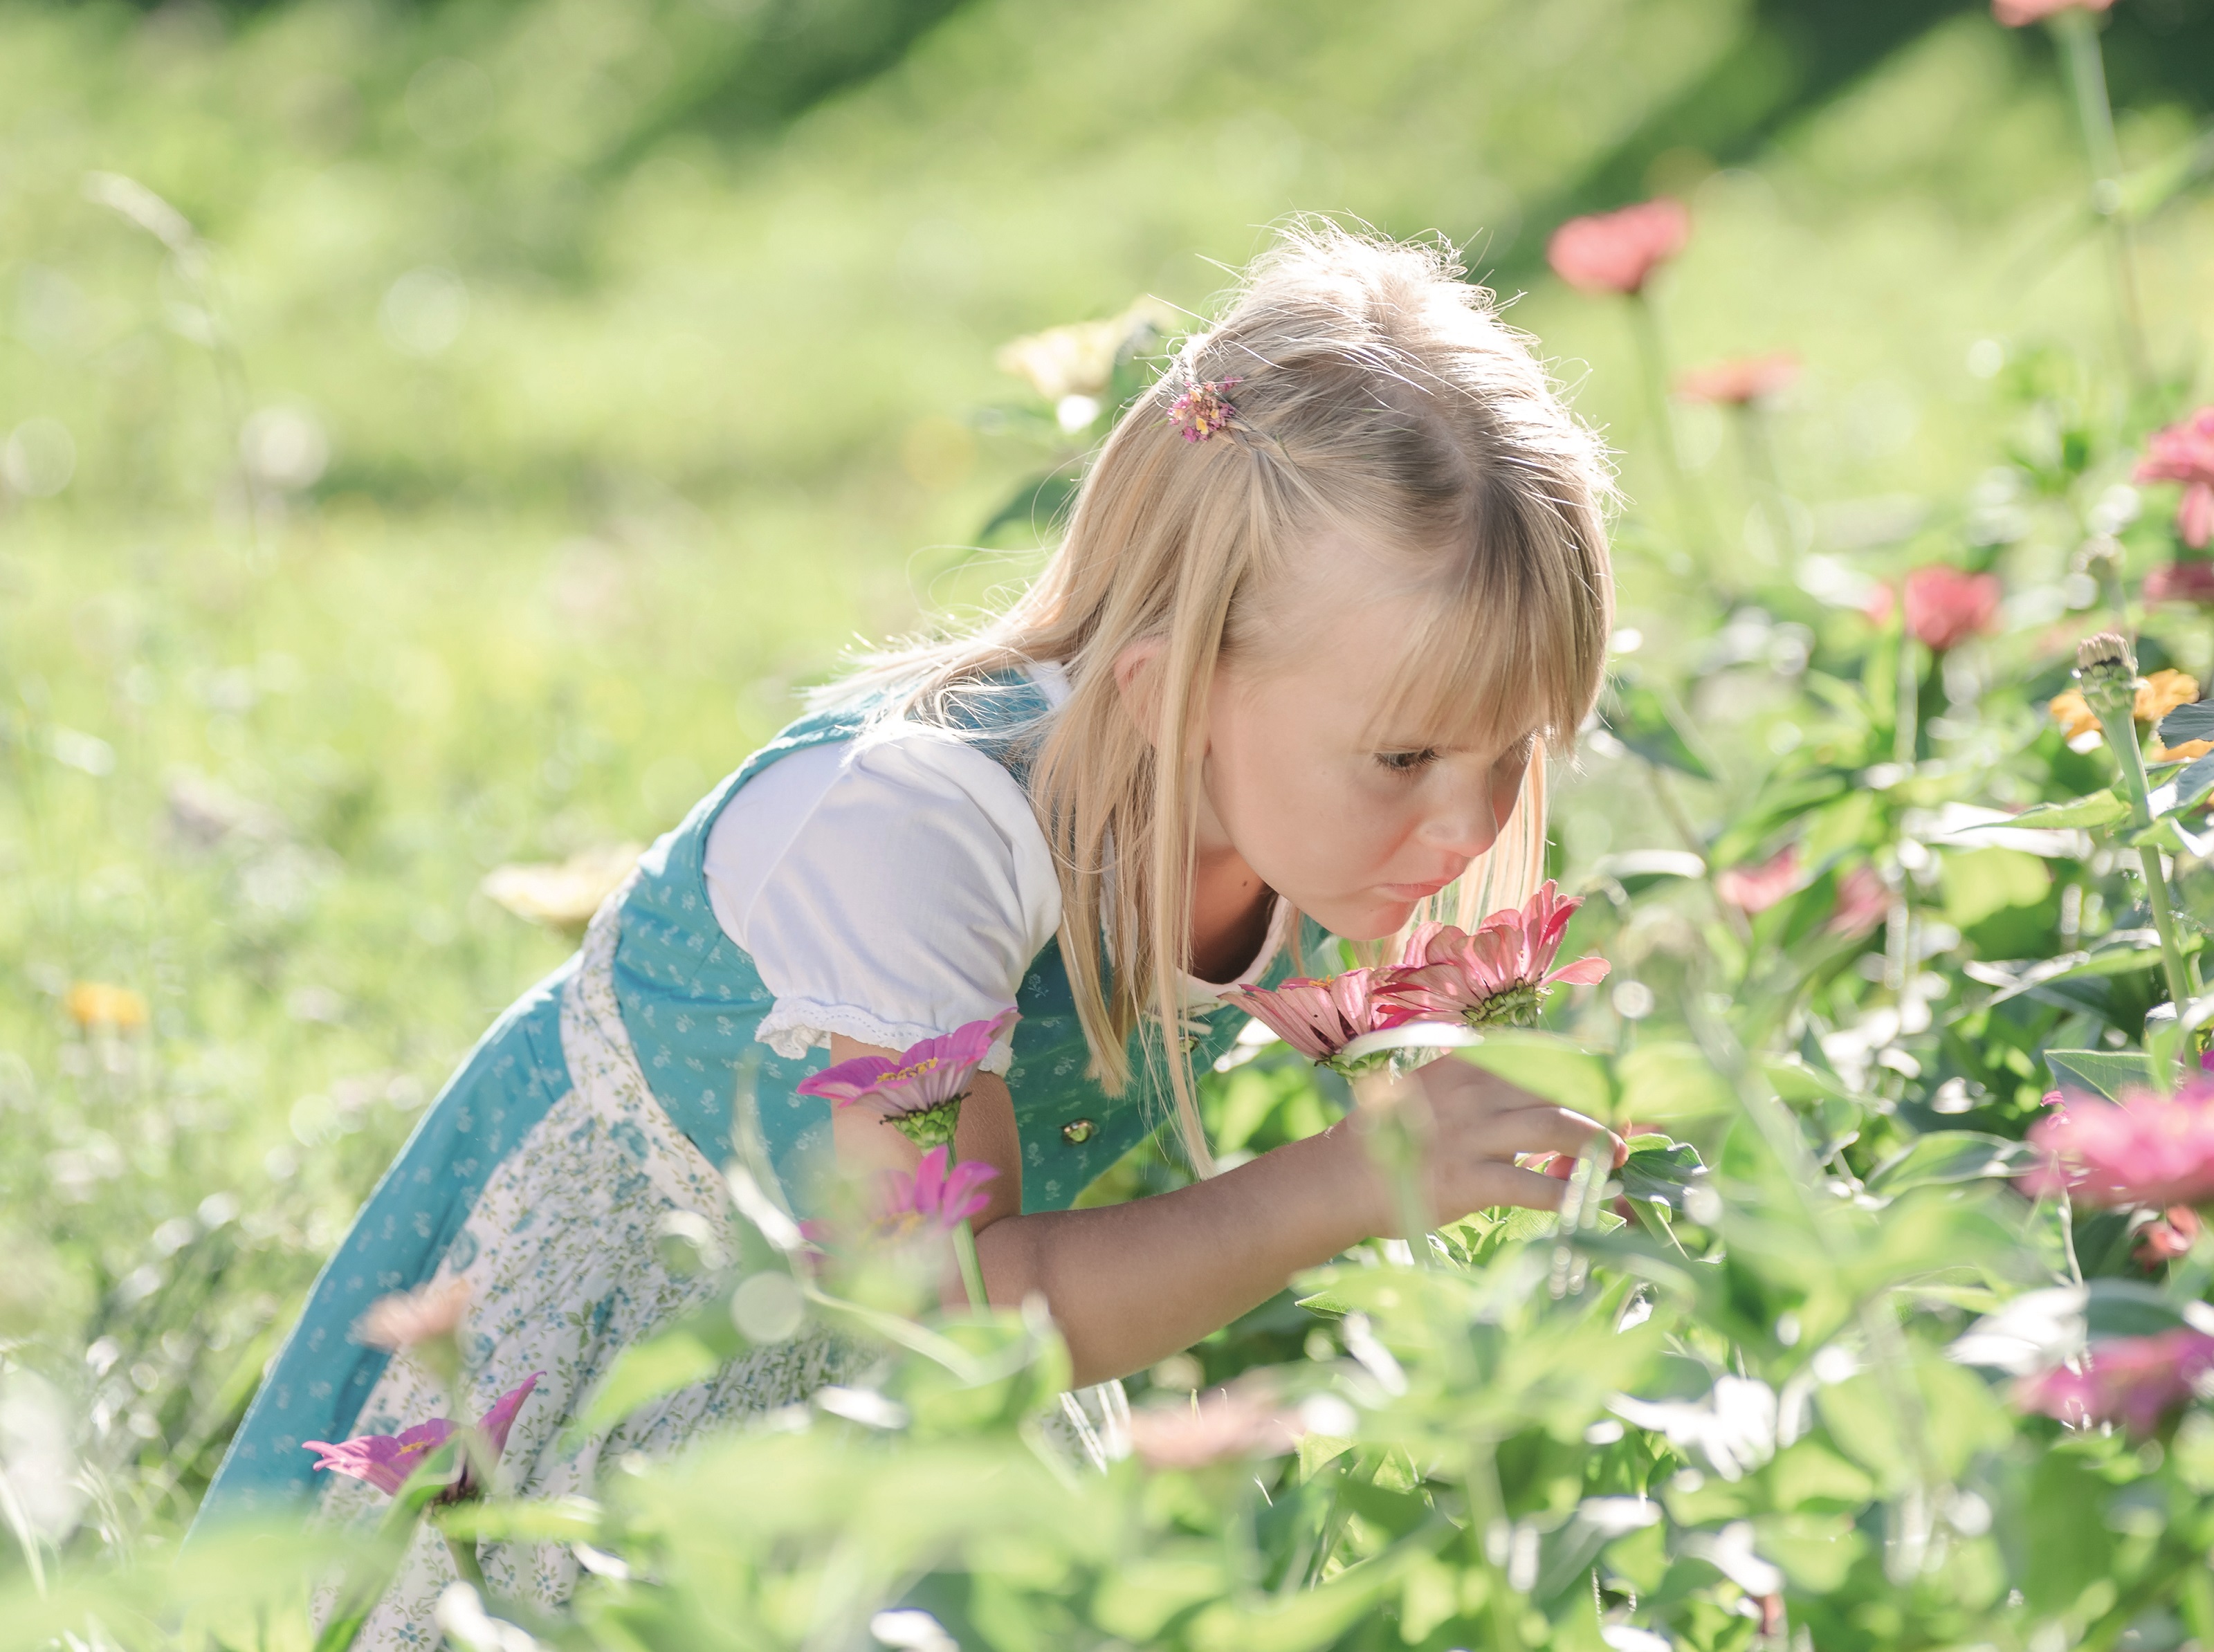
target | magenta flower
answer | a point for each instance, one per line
(1498, 975)
(1320, 1018)
(2133, 1380)
(1862, 902)
(1755, 889)
(2168, 1236)
(919, 1093)
(935, 1199)
(386, 1460)
(1945, 606)
(2149, 1149)
(1617, 252)
(1741, 380)
(2184, 452)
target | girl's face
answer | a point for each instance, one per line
(1307, 780)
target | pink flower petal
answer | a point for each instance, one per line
(501, 1417)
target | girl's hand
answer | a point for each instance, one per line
(1472, 1125)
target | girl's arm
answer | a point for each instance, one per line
(1130, 1284)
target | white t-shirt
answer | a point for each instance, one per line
(894, 888)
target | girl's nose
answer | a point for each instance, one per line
(1464, 819)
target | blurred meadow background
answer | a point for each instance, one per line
(438, 437)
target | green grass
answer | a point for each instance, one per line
(710, 415)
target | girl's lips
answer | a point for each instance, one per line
(1414, 892)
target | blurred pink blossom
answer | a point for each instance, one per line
(2184, 452)
(408, 1318)
(1617, 252)
(1241, 1421)
(386, 1460)
(2133, 1380)
(934, 1198)
(1319, 1018)
(1499, 974)
(2168, 1236)
(1755, 889)
(2020, 14)
(1945, 606)
(1863, 902)
(1740, 379)
(2180, 582)
(2148, 1150)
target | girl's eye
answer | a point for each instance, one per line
(1408, 763)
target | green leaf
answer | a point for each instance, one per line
(2099, 809)
(645, 1371)
(2192, 722)
(1642, 720)
(1661, 1173)
(1547, 1065)
(1950, 1156)
(1662, 1082)
(2101, 1072)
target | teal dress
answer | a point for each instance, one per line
(599, 1103)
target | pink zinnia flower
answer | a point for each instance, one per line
(1862, 902)
(2180, 582)
(2132, 1380)
(1617, 252)
(1320, 1018)
(2184, 452)
(918, 1093)
(1755, 889)
(1243, 1421)
(2149, 1149)
(1500, 974)
(1740, 380)
(2020, 14)
(386, 1460)
(934, 1199)
(1945, 606)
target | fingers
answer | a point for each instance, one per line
(1496, 1184)
(1541, 1128)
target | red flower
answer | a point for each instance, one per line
(2184, 452)
(2018, 13)
(2149, 1149)
(1740, 379)
(1755, 889)
(1617, 252)
(1946, 606)
(2180, 582)
(2134, 1381)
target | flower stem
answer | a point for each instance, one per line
(2117, 722)
(1653, 364)
(972, 1273)
(2078, 33)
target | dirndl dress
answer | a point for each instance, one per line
(543, 1174)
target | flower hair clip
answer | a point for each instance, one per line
(1203, 409)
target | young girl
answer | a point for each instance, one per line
(1332, 589)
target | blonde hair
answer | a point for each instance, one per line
(1377, 393)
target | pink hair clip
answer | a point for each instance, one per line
(1203, 409)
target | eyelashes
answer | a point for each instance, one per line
(1407, 762)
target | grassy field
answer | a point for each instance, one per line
(481, 462)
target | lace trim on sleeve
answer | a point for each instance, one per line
(795, 1025)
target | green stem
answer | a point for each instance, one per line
(1767, 481)
(972, 1274)
(1652, 364)
(1487, 1512)
(2120, 726)
(2078, 33)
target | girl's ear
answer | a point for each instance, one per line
(1138, 683)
